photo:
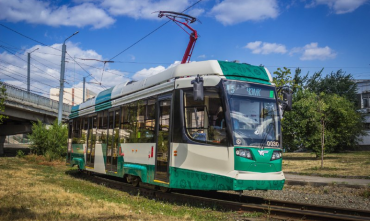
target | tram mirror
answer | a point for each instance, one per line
(198, 93)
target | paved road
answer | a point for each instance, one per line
(293, 179)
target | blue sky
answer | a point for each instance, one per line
(311, 34)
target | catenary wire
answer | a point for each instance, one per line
(150, 33)
(28, 37)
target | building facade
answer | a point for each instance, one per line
(71, 96)
(363, 92)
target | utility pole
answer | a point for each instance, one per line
(83, 90)
(29, 69)
(62, 70)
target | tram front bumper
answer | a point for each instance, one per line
(258, 181)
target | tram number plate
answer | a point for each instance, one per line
(272, 143)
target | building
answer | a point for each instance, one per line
(71, 96)
(363, 92)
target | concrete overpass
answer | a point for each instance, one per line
(23, 108)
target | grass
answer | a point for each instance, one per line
(351, 164)
(32, 188)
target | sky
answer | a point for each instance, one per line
(309, 34)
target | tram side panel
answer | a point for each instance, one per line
(139, 160)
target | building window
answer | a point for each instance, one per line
(365, 102)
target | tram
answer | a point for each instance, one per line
(209, 125)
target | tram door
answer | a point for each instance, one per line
(163, 139)
(91, 140)
(112, 140)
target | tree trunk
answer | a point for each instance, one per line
(322, 143)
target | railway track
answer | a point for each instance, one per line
(273, 209)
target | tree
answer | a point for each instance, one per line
(283, 78)
(301, 126)
(322, 119)
(344, 125)
(312, 114)
(49, 141)
(2, 101)
(338, 83)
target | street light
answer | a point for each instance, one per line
(29, 70)
(62, 70)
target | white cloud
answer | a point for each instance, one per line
(145, 73)
(230, 12)
(145, 8)
(339, 6)
(40, 12)
(313, 52)
(45, 69)
(202, 56)
(259, 47)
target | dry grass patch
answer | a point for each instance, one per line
(351, 164)
(30, 191)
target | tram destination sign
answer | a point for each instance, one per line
(246, 89)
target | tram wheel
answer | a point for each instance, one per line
(164, 189)
(134, 180)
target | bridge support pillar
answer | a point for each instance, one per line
(2, 142)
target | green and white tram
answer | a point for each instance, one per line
(209, 125)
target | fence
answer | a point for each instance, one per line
(17, 139)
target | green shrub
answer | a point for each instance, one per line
(49, 141)
(20, 154)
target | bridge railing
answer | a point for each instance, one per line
(23, 95)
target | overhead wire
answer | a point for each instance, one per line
(105, 70)
(21, 75)
(41, 69)
(14, 53)
(150, 33)
(27, 37)
(31, 64)
(86, 71)
(24, 84)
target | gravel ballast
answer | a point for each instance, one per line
(331, 195)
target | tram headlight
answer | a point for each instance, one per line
(243, 153)
(276, 155)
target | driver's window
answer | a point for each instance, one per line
(205, 120)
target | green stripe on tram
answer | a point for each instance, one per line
(189, 179)
(244, 72)
(74, 111)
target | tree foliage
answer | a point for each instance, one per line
(2, 101)
(321, 104)
(338, 83)
(302, 127)
(50, 141)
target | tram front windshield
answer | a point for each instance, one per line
(253, 113)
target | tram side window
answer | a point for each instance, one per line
(146, 121)
(84, 130)
(129, 123)
(138, 122)
(76, 131)
(150, 121)
(124, 133)
(205, 120)
(101, 132)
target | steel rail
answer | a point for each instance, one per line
(228, 201)
(281, 203)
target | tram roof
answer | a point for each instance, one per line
(229, 70)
